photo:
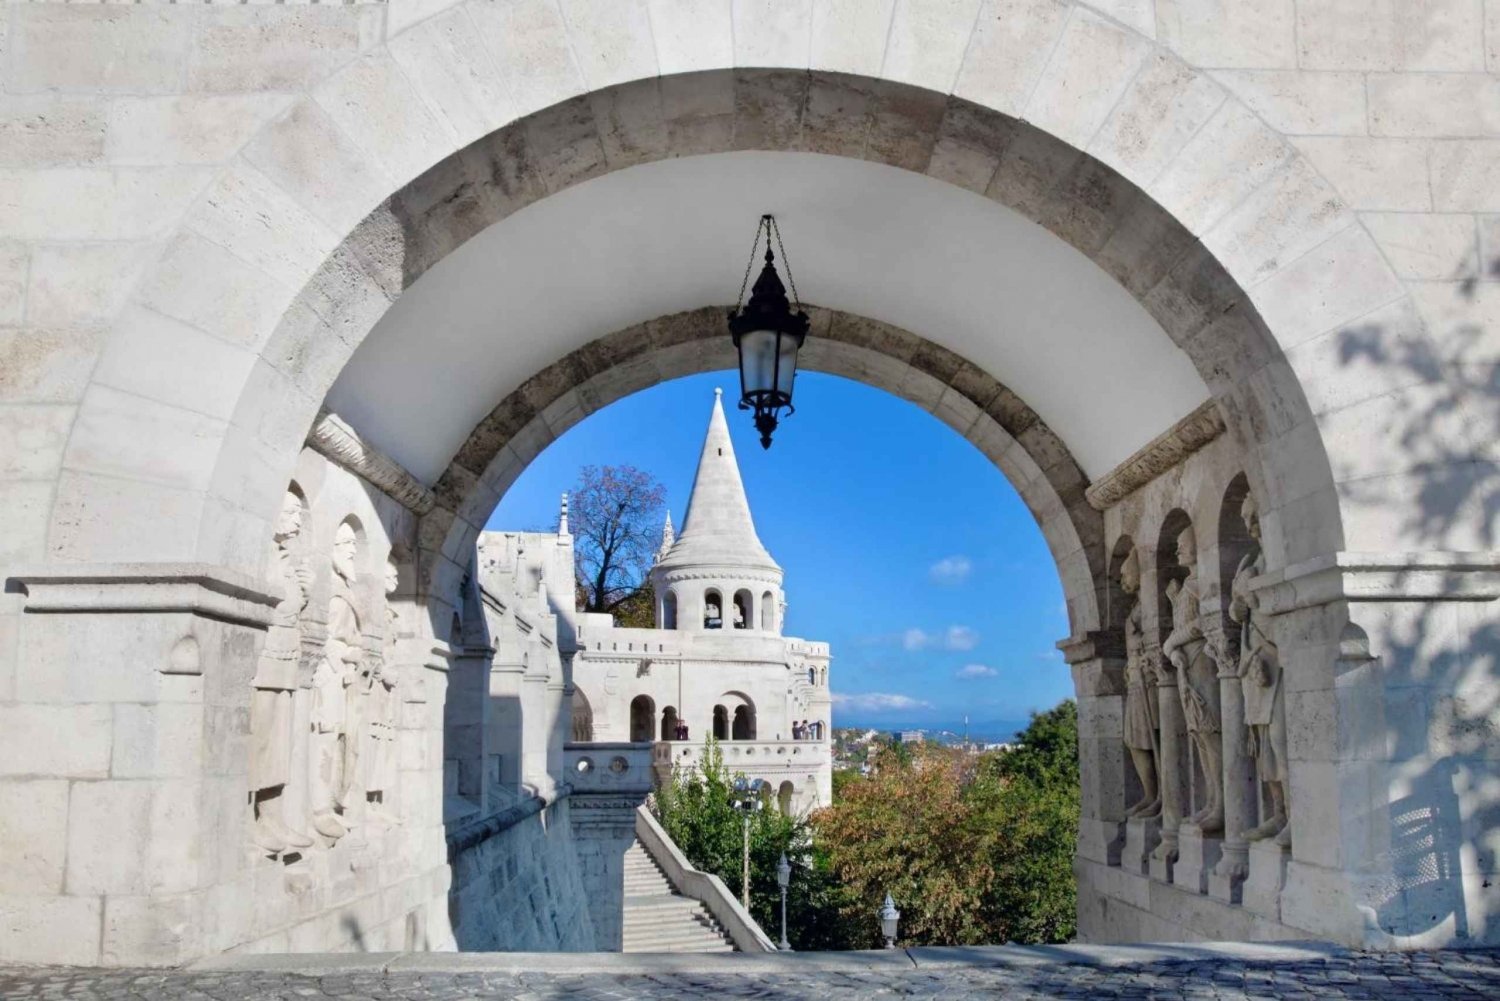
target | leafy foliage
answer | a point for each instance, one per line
(615, 514)
(695, 810)
(974, 850)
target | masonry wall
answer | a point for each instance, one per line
(522, 887)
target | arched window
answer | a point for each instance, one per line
(768, 612)
(669, 723)
(721, 723)
(669, 611)
(784, 798)
(583, 718)
(744, 723)
(744, 615)
(642, 717)
(812, 676)
(713, 610)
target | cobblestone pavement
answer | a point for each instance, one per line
(1352, 976)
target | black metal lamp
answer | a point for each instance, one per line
(768, 332)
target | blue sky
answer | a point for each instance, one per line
(903, 546)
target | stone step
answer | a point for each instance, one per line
(659, 919)
(663, 942)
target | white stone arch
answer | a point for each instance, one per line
(1298, 272)
(414, 73)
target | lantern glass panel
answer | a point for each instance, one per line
(787, 366)
(758, 360)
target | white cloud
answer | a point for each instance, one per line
(952, 638)
(960, 638)
(976, 671)
(878, 702)
(950, 570)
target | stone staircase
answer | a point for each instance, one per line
(658, 918)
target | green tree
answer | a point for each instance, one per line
(973, 850)
(695, 809)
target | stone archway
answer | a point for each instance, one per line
(1249, 261)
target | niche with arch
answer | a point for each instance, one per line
(743, 726)
(784, 796)
(744, 616)
(669, 723)
(582, 729)
(768, 612)
(721, 723)
(669, 610)
(642, 718)
(713, 609)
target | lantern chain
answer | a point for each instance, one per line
(750, 264)
(786, 261)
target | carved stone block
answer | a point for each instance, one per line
(1142, 834)
(1196, 857)
(1261, 893)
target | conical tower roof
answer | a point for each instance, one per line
(718, 530)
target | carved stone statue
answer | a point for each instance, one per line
(1197, 683)
(739, 616)
(711, 612)
(336, 671)
(1260, 681)
(377, 755)
(275, 680)
(1141, 708)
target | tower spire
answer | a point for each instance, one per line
(718, 530)
(562, 517)
(667, 537)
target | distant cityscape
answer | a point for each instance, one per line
(946, 732)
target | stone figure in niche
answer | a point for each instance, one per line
(1197, 683)
(376, 760)
(1142, 711)
(339, 666)
(275, 680)
(1260, 681)
(711, 614)
(739, 616)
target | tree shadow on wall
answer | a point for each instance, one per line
(1438, 670)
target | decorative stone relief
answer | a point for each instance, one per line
(1186, 648)
(274, 682)
(1142, 717)
(378, 702)
(335, 440)
(1157, 456)
(333, 751)
(1265, 701)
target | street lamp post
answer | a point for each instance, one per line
(747, 799)
(889, 919)
(783, 880)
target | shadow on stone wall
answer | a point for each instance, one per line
(1439, 662)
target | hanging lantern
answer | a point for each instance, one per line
(768, 332)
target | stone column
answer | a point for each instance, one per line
(1227, 877)
(1172, 768)
(1098, 663)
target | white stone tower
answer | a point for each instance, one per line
(716, 573)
